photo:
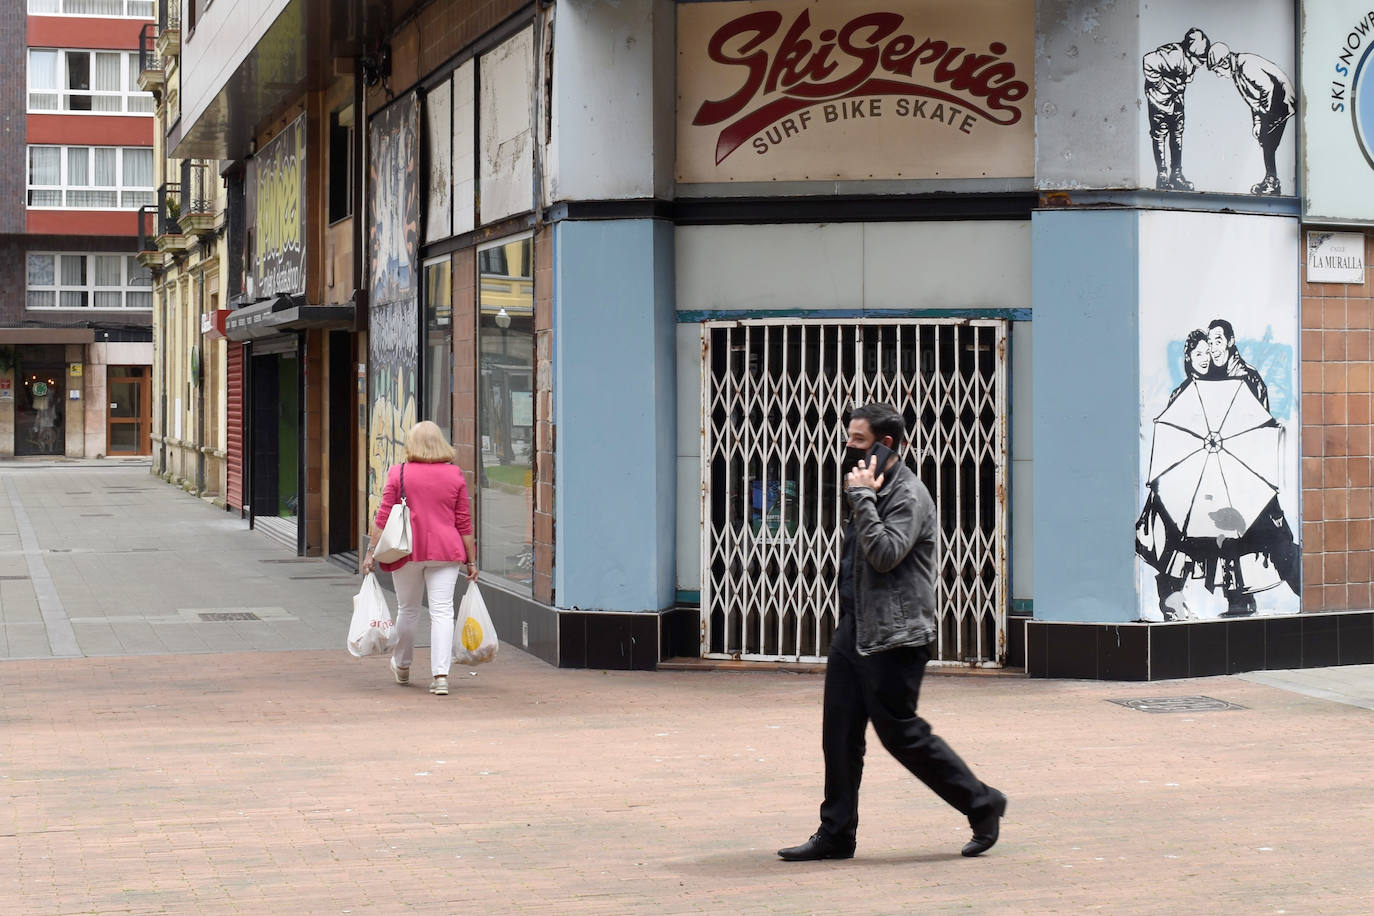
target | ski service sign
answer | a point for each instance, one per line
(799, 90)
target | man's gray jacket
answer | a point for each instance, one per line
(894, 566)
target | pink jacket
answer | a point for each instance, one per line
(437, 496)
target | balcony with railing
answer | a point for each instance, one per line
(168, 28)
(170, 237)
(199, 213)
(148, 253)
(151, 75)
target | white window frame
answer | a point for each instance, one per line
(127, 197)
(65, 7)
(131, 100)
(135, 279)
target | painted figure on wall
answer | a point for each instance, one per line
(1168, 71)
(1212, 508)
(1262, 85)
(1269, 93)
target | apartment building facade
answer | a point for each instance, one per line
(75, 314)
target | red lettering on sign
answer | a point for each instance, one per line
(868, 55)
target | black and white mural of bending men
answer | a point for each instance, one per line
(1219, 463)
(1234, 96)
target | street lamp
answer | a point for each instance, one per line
(503, 322)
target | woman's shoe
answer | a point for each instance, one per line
(402, 675)
(439, 686)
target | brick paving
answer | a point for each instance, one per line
(280, 778)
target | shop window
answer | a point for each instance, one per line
(506, 156)
(438, 135)
(505, 331)
(90, 177)
(87, 281)
(341, 164)
(438, 393)
(98, 82)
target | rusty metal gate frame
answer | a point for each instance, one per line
(972, 593)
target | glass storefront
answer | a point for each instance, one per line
(39, 411)
(438, 392)
(505, 335)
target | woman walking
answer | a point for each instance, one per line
(442, 548)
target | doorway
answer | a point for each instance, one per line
(39, 409)
(129, 423)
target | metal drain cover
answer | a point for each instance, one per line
(1177, 704)
(218, 616)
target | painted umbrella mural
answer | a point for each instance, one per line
(1215, 460)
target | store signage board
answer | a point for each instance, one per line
(277, 199)
(855, 90)
(1337, 73)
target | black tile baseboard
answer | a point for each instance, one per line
(1160, 651)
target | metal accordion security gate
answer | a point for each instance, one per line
(774, 395)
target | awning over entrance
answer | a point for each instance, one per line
(285, 313)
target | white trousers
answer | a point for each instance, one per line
(412, 581)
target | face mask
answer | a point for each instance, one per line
(852, 457)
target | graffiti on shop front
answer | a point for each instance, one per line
(1212, 514)
(394, 231)
(393, 318)
(278, 255)
(1264, 88)
(393, 381)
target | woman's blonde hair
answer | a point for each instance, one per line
(426, 443)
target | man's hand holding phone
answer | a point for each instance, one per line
(869, 471)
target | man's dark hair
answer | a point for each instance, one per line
(1225, 328)
(883, 419)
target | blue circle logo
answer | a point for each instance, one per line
(1362, 106)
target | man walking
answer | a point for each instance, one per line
(882, 643)
(1269, 93)
(1168, 71)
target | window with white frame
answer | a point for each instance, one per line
(99, 82)
(88, 281)
(120, 9)
(90, 177)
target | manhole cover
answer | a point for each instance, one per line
(1177, 704)
(97, 515)
(13, 578)
(219, 616)
(291, 560)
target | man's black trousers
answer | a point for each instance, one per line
(883, 688)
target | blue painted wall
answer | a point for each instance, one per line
(615, 409)
(1086, 415)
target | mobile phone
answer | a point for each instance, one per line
(883, 454)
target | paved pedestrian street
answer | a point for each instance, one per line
(154, 761)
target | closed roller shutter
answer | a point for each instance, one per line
(234, 419)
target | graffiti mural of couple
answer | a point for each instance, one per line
(1212, 499)
(1262, 85)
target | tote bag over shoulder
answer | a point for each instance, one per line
(394, 544)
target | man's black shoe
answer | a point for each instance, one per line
(818, 847)
(986, 828)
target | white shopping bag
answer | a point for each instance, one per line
(474, 638)
(372, 631)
